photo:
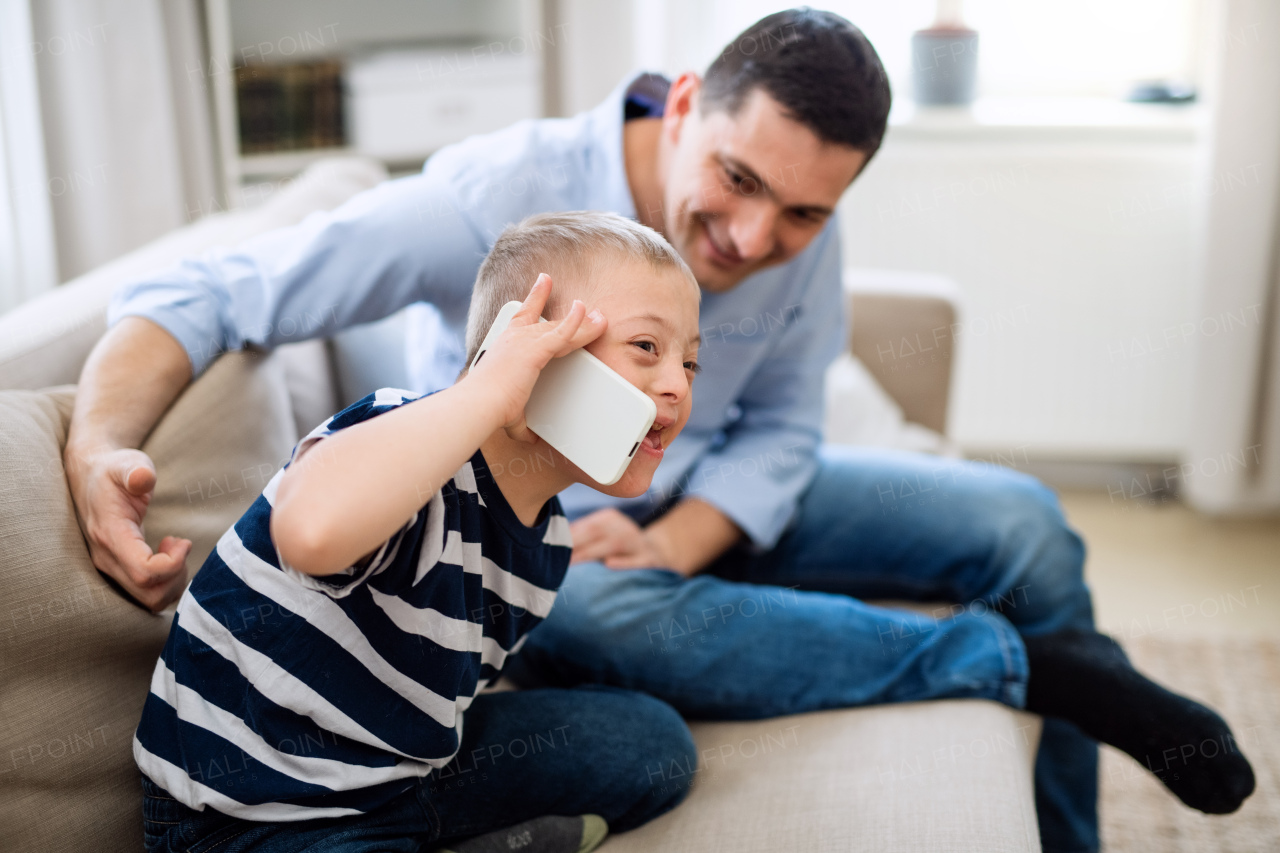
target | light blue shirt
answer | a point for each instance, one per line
(749, 446)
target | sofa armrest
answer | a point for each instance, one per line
(902, 329)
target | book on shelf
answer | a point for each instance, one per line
(290, 107)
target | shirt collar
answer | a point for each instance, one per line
(606, 121)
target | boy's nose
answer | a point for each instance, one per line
(671, 384)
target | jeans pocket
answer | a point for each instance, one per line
(161, 816)
(215, 836)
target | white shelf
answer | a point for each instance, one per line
(353, 27)
(1048, 118)
(283, 163)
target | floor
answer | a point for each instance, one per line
(1163, 568)
(1185, 593)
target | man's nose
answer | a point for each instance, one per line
(752, 229)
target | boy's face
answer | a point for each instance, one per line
(652, 342)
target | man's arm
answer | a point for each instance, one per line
(131, 377)
(397, 243)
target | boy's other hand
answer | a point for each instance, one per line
(611, 537)
(512, 365)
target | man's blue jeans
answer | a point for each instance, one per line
(784, 631)
(524, 755)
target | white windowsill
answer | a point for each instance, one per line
(1047, 119)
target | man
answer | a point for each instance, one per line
(741, 172)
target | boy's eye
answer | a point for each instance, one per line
(693, 365)
(647, 346)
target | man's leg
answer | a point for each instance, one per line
(881, 524)
(874, 524)
(716, 649)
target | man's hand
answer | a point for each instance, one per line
(111, 490)
(610, 537)
(134, 372)
(685, 540)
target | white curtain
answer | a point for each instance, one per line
(27, 265)
(1233, 462)
(127, 123)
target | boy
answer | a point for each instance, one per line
(314, 682)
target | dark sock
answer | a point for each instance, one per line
(540, 835)
(1085, 678)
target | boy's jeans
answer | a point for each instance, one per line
(875, 524)
(524, 755)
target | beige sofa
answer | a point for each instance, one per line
(76, 657)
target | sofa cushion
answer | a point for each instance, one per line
(75, 655)
(944, 777)
(216, 448)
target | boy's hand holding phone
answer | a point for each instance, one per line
(511, 367)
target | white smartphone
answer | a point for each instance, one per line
(583, 408)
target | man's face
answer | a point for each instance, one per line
(652, 341)
(746, 191)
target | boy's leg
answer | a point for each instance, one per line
(170, 827)
(524, 755)
(591, 750)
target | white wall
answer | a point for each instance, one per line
(1070, 235)
(1074, 259)
(598, 50)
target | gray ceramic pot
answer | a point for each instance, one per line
(944, 66)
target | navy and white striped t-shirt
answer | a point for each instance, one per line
(280, 696)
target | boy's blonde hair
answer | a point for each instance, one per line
(573, 248)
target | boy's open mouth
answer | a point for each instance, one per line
(653, 441)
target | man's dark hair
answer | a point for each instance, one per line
(820, 69)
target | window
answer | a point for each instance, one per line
(1077, 48)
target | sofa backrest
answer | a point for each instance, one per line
(902, 327)
(45, 342)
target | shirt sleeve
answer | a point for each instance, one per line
(400, 242)
(769, 454)
(340, 584)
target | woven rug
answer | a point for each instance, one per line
(1240, 678)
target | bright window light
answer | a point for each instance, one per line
(1071, 48)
